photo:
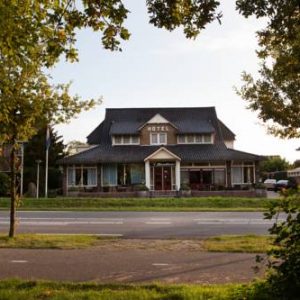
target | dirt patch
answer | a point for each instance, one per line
(155, 245)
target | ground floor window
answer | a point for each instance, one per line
(123, 174)
(206, 178)
(82, 176)
(242, 174)
(109, 174)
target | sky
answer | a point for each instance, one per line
(158, 68)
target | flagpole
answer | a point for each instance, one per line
(46, 161)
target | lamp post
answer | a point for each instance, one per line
(38, 161)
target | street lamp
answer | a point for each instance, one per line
(38, 161)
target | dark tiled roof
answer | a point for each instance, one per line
(194, 126)
(227, 134)
(125, 127)
(131, 154)
(187, 119)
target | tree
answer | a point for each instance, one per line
(296, 163)
(275, 95)
(35, 150)
(274, 164)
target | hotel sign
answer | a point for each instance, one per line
(159, 128)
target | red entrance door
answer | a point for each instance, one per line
(162, 178)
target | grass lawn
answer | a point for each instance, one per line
(55, 241)
(234, 243)
(238, 243)
(29, 290)
(142, 204)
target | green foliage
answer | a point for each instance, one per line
(275, 95)
(4, 184)
(191, 15)
(296, 163)
(284, 262)
(35, 150)
(274, 164)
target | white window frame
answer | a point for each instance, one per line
(131, 142)
(159, 134)
(74, 168)
(194, 139)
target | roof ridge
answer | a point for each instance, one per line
(164, 107)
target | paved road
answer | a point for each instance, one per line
(135, 265)
(151, 225)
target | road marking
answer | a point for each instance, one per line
(159, 264)
(235, 221)
(87, 234)
(19, 261)
(160, 219)
(158, 223)
(61, 223)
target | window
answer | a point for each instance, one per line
(162, 138)
(110, 174)
(135, 139)
(154, 138)
(126, 140)
(207, 138)
(158, 138)
(198, 139)
(190, 139)
(82, 176)
(242, 174)
(219, 177)
(118, 139)
(195, 139)
(237, 175)
(181, 139)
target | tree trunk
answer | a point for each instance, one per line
(13, 192)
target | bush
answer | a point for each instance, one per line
(284, 258)
(4, 184)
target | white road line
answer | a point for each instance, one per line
(55, 223)
(19, 261)
(87, 234)
(159, 264)
(158, 223)
(160, 219)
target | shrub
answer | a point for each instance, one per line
(284, 258)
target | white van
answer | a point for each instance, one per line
(270, 184)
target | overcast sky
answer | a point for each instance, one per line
(158, 68)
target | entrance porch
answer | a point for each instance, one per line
(162, 171)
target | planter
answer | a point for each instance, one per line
(142, 194)
(186, 193)
(72, 193)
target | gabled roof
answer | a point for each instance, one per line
(129, 120)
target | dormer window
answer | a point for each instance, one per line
(158, 138)
(195, 139)
(126, 140)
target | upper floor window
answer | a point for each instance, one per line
(195, 139)
(158, 138)
(126, 140)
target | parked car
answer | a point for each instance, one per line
(270, 184)
(285, 184)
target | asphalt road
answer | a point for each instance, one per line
(130, 266)
(141, 225)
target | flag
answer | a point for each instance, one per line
(48, 139)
